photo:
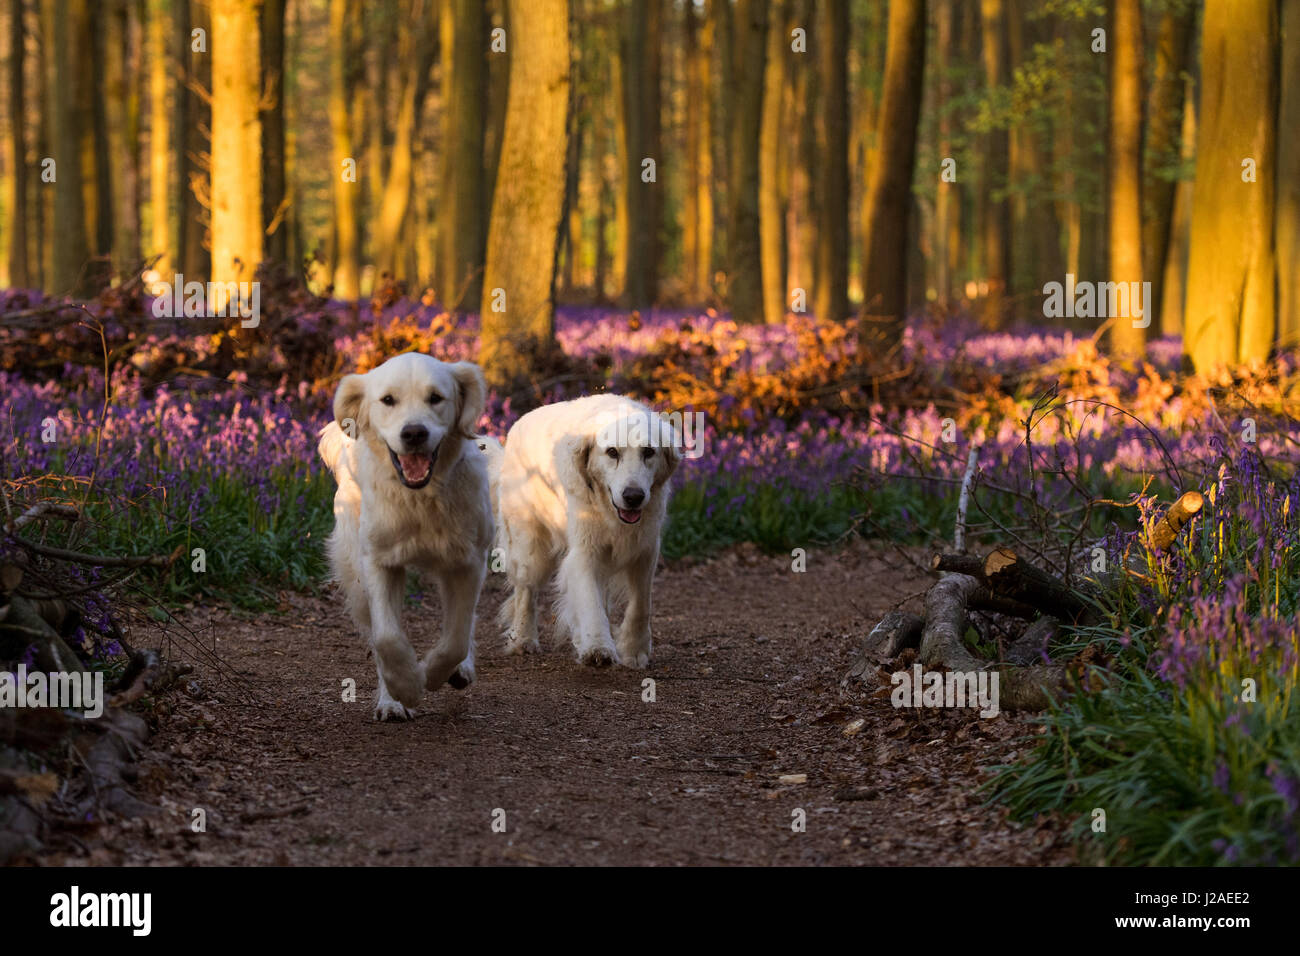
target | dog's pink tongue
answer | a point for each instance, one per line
(631, 517)
(414, 467)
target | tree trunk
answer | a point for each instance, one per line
(1163, 150)
(745, 112)
(273, 133)
(947, 200)
(832, 177)
(1287, 216)
(641, 117)
(460, 213)
(19, 277)
(771, 196)
(1124, 174)
(162, 242)
(528, 205)
(195, 191)
(1174, 280)
(68, 239)
(237, 176)
(98, 183)
(416, 52)
(498, 16)
(345, 184)
(889, 198)
(1230, 290)
(996, 213)
(122, 141)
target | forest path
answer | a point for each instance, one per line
(747, 668)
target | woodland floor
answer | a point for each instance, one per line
(748, 663)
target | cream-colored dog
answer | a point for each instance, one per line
(581, 494)
(413, 493)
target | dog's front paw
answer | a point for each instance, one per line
(597, 655)
(462, 676)
(402, 676)
(388, 709)
(528, 646)
(637, 660)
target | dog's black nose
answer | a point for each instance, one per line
(632, 497)
(414, 435)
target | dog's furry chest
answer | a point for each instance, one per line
(433, 527)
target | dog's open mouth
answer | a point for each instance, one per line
(627, 515)
(414, 470)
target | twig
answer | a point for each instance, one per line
(963, 499)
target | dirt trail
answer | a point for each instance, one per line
(747, 668)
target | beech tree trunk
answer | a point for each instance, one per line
(745, 114)
(1124, 159)
(889, 198)
(528, 204)
(1231, 307)
(236, 124)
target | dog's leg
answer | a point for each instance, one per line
(401, 678)
(452, 660)
(527, 572)
(582, 610)
(634, 634)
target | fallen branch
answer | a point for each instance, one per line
(1011, 576)
(896, 631)
(1164, 531)
(102, 560)
(41, 509)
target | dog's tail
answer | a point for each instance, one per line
(333, 444)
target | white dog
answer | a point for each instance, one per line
(413, 492)
(584, 485)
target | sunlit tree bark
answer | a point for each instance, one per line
(1231, 310)
(772, 149)
(528, 204)
(996, 212)
(16, 201)
(236, 125)
(162, 241)
(1287, 232)
(1124, 161)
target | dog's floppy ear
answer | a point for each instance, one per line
(471, 398)
(572, 462)
(349, 404)
(670, 449)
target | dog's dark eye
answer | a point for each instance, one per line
(389, 400)
(612, 452)
(434, 398)
(647, 454)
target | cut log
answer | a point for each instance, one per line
(966, 564)
(942, 646)
(1164, 531)
(985, 600)
(1030, 648)
(896, 631)
(1011, 576)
